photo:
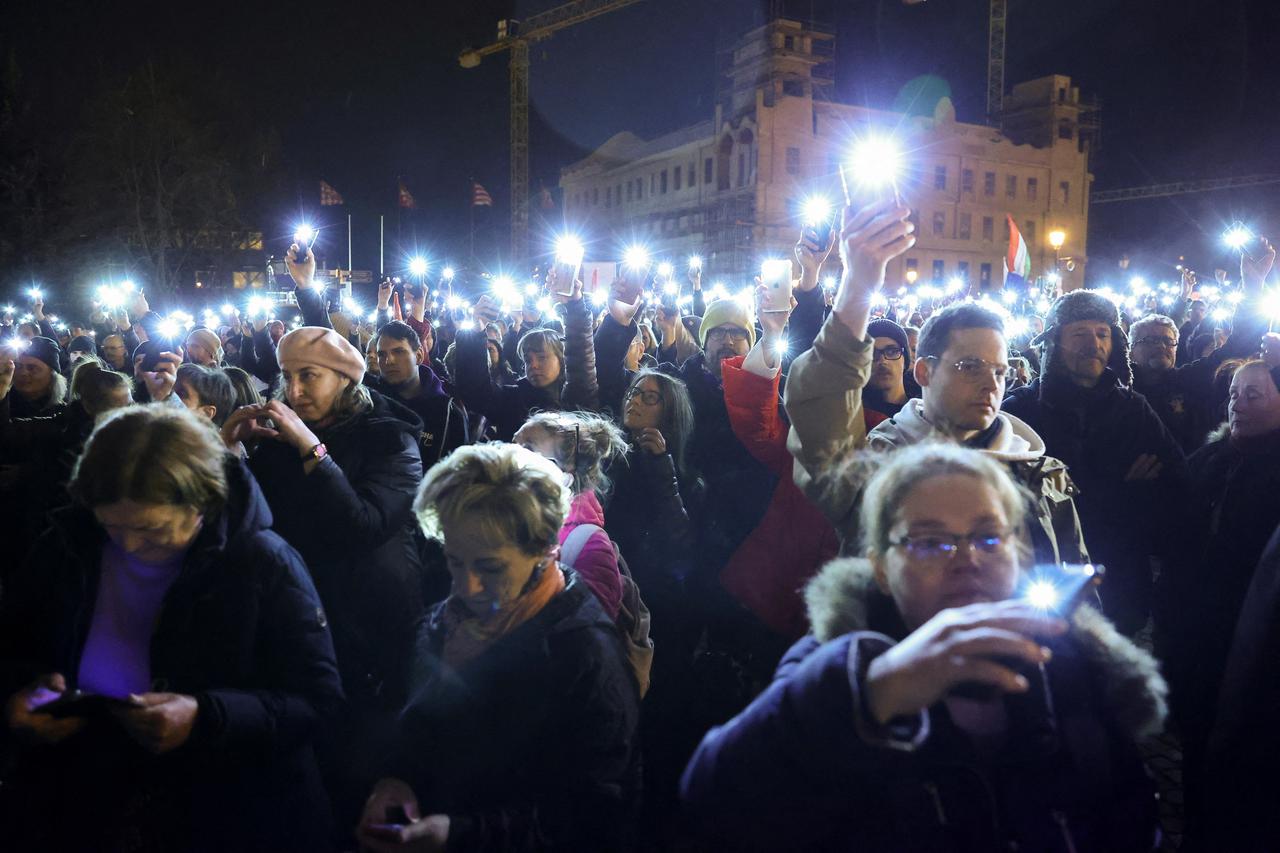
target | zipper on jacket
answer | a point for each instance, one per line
(1060, 818)
(932, 789)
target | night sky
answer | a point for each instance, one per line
(361, 93)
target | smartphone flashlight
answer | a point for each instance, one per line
(304, 236)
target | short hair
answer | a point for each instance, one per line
(151, 455)
(398, 331)
(935, 335)
(586, 443)
(543, 340)
(213, 386)
(517, 497)
(902, 471)
(1154, 320)
(93, 384)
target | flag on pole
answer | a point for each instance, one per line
(329, 196)
(406, 198)
(480, 196)
(1018, 260)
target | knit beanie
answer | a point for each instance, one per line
(83, 343)
(209, 340)
(45, 349)
(726, 312)
(883, 328)
(323, 348)
(1086, 305)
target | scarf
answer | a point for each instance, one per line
(468, 636)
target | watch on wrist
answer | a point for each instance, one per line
(317, 452)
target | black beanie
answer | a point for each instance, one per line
(83, 343)
(883, 328)
(45, 349)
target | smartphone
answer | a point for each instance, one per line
(821, 233)
(77, 703)
(629, 285)
(859, 196)
(152, 359)
(775, 275)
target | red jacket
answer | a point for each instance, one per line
(793, 540)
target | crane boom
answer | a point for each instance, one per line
(1180, 188)
(516, 36)
(995, 61)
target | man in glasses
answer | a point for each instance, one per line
(961, 366)
(886, 390)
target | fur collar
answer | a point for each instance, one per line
(843, 597)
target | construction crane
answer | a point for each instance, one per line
(1180, 188)
(516, 37)
(995, 61)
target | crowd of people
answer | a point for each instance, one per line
(615, 571)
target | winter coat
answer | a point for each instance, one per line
(242, 630)
(1183, 397)
(830, 442)
(1099, 433)
(1232, 512)
(351, 518)
(1241, 783)
(597, 563)
(444, 421)
(793, 540)
(533, 745)
(806, 768)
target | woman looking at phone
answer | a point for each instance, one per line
(933, 707)
(195, 647)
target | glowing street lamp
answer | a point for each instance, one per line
(912, 275)
(1057, 238)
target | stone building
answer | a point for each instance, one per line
(731, 188)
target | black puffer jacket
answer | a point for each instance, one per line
(242, 630)
(532, 745)
(351, 518)
(804, 768)
(444, 421)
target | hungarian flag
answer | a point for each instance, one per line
(329, 196)
(406, 198)
(1018, 261)
(480, 196)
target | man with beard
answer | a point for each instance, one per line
(1183, 396)
(405, 375)
(886, 391)
(1130, 469)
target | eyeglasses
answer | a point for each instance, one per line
(734, 334)
(649, 398)
(974, 368)
(888, 354)
(941, 547)
(1167, 343)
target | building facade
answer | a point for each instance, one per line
(732, 188)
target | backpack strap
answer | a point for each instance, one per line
(571, 550)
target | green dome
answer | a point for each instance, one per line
(920, 97)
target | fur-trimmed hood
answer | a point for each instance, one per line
(844, 597)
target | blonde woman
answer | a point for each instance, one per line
(520, 732)
(933, 708)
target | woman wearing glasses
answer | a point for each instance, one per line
(932, 709)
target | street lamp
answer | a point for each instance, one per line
(1057, 237)
(912, 275)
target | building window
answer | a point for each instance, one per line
(708, 170)
(639, 189)
(966, 180)
(789, 43)
(630, 190)
(653, 183)
(939, 270)
(989, 184)
(988, 228)
(1064, 130)
(1064, 190)
(675, 179)
(1062, 96)
(939, 223)
(984, 276)
(962, 270)
(742, 169)
(913, 265)
(608, 196)
(966, 226)
(939, 177)
(693, 174)
(1033, 186)
(662, 182)
(793, 88)
(1011, 186)
(1007, 233)
(1029, 232)
(793, 161)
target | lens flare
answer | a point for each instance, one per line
(1042, 595)
(816, 210)
(636, 257)
(874, 162)
(418, 266)
(569, 251)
